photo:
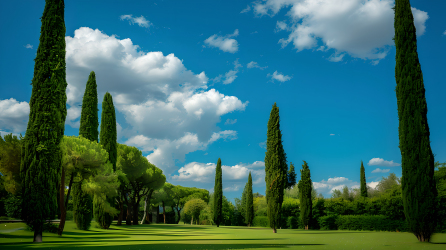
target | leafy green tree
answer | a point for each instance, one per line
(108, 140)
(165, 197)
(363, 181)
(193, 208)
(417, 160)
(388, 182)
(292, 192)
(291, 176)
(10, 160)
(243, 203)
(41, 155)
(218, 194)
(305, 188)
(181, 195)
(275, 169)
(249, 203)
(440, 180)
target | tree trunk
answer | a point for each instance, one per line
(145, 209)
(164, 213)
(274, 230)
(128, 219)
(179, 215)
(63, 212)
(37, 236)
(121, 213)
(135, 212)
(192, 220)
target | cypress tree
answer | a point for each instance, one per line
(249, 202)
(88, 129)
(363, 182)
(417, 161)
(41, 154)
(306, 204)
(275, 169)
(218, 194)
(291, 176)
(243, 208)
(108, 140)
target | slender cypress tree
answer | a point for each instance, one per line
(363, 182)
(108, 140)
(306, 204)
(275, 169)
(243, 208)
(291, 176)
(83, 202)
(41, 154)
(249, 203)
(417, 161)
(218, 194)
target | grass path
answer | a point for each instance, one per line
(175, 237)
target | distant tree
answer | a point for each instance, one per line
(41, 155)
(306, 204)
(336, 193)
(10, 160)
(243, 203)
(417, 161)
(181, 195)
(388, 182)
(363, 181)
(255, 195)
(164, 196)
(292, 192)
(218, 194)
(440, 179)
(291, 177)
(275, 169)
(193, 208)
(249, 203)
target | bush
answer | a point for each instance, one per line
(260, 221)
(47, 228)
(4, 218)
(69, 215)
(318, 211)
(292, 222)
(13, 206)
(261, 212)
(370, 222)
(328, 222)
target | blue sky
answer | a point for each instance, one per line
(193, 81)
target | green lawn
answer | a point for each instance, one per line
(210, 237)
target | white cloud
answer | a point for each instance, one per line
(263, 144)
(373, 184)
(280, 25)
(141, 21)
(28, 46)
(230, 121)
(378, 170)
(361, 28)
(322, 48)
(247, 9)
(279, 77)
(14, 115)
(336, 58)
(230, 76)
(224, 43)
(253, 64)
(332, 134)
(444, 33)
(327, 187)
(231, 188)
(382, 162)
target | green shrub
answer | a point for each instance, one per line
(13, 206)
(260, 221)
(292, 222)
(47, 228)
(69, 215)
(261, 212)
(328, 222)
(4, 218)
(370, 222)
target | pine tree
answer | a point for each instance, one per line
(41, 154)
(417, 161)
(275, 169)
(291, 176)
(108, 140)
(363, 182)
(249, 202)
(218, 194)
(88, 129)
(306, 204)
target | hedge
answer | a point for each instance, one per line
(369, 222)
(260, 221)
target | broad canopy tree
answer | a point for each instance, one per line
(10, 159)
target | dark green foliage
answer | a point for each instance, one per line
(306, 205)
(10, 159)
(417, 160)
(328, 222)
(318, 211)
(440, 179)
(291, 176)
(108, 140)
(243, 203)
(69, 215)
(218, 195)
(13, 206)
(292, 222)
(363, 182)
(275, 169)
(261, 221)
(369, 222)
(41, 155)
(249, 203)
(82, 207)
(89, 121)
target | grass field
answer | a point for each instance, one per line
(174, 237)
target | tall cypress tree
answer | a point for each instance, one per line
(275, 169)
(291, 176)
(249, 202)
(218, 195)
(363, 182)
(108, 140)
(83, 202)
(243, 208)
(417, 161)
(305, 188)
(41, 154)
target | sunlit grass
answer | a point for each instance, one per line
(162, 236)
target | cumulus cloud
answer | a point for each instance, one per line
(373, 184)
(336, 57)
(382, 162)
(326, 187)
(279, 77)
(224, 43)
(28, 46)
(230, 76)
(253, 64)
(361, 28)
(378, 170)
(141, 21)
(247, 9)
(14, 115)
(280, 25)
(230, 121)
